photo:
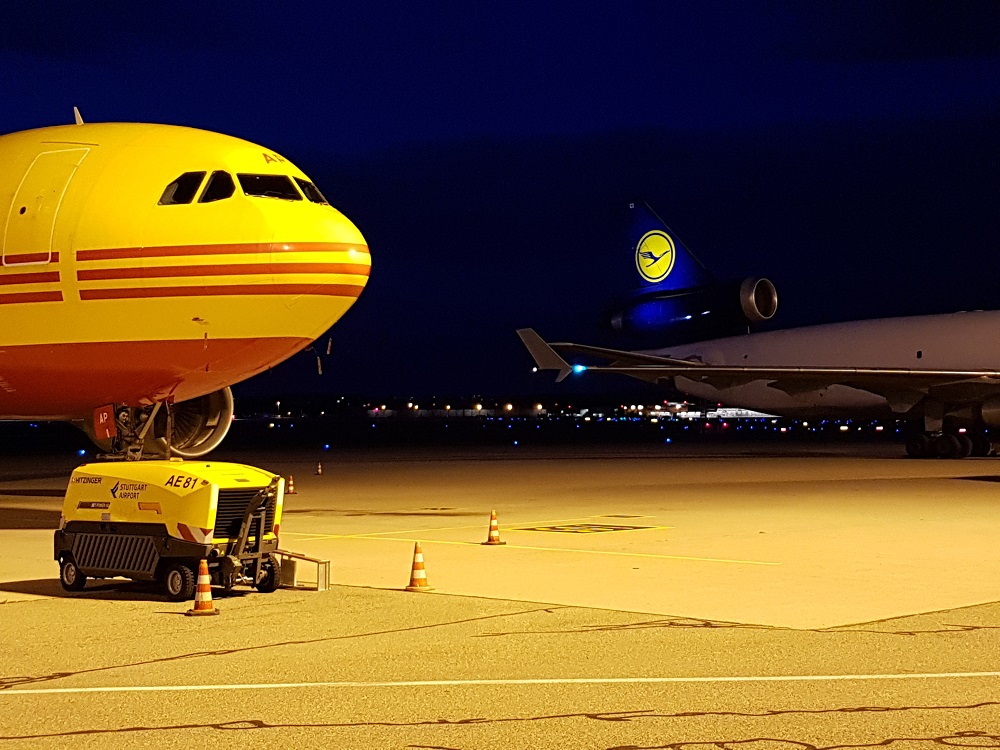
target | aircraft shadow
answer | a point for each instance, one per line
(106, 590)
(28, 518)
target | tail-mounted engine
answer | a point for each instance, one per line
(702, 312)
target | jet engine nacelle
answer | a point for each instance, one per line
(716, 310)
(199, 426)
(989, 412)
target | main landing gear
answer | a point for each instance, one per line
(949, 445)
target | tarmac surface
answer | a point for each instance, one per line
(645, 597)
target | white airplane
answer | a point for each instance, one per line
(938, 368)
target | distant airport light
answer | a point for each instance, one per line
(879, 428)
(579, 368)
(538, 407)
(844, 428)
(784, 429)
(409, 405)
(805, 424)
(508, 407)
(961, 430)
(479, 407)
(81, 452)
(534, 369)
(271, 425)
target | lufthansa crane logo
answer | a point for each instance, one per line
(654, 256)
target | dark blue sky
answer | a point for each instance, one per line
(847, 150)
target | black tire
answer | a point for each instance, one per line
(271, 579)
(966, 445)
(70, 576)
(947, 446)
(178, 582)
(918, 446)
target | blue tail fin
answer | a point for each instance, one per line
(661, 260)
(678, 298)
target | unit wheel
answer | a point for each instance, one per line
(271, 579)
(918, 446)
(178, 583)
(965, 445)
(947, 446)
(70, 576)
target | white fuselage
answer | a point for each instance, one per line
(958, 341)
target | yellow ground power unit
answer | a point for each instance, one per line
(155, 520)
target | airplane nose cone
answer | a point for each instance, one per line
(321, 270)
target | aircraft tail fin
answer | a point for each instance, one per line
(662, 261)
(77, 116)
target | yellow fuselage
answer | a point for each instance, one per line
(114, 289)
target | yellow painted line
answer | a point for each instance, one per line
(555, 549)
(460, 528)
(609, 528)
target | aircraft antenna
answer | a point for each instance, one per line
(77, 116)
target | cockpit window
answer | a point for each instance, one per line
(311, 192)
(220, 186)
(269, 186)
(183, 189)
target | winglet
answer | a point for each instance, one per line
(545, 356)
(77, 116)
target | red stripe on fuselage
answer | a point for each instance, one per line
(30, 297)
(17, 277)
(11, 259)
(123, 253)
(356, 269)
(328, 290)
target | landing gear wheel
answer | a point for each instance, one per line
(271, 579)
(70, 576)
(965, 446)
(178, 583)
(918, 446)
(947, 446)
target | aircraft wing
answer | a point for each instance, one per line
(899, 385)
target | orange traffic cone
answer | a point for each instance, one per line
(290, 490)
(319, 468)
(418, 576)
(203, 594)
(494, 536)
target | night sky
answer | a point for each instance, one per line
(846, 150)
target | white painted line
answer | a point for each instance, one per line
(538, 681)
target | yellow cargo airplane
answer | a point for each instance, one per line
(147, 268)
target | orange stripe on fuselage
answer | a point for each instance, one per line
(236, 269)
(123, 253)
(28, 297)
(332, 290)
